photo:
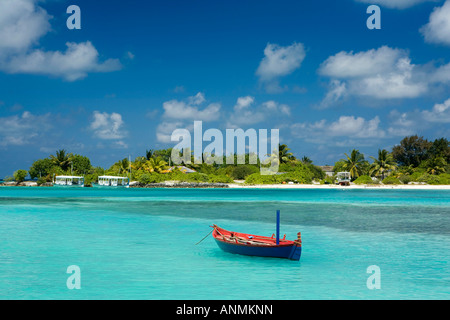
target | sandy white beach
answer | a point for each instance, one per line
(353, 186)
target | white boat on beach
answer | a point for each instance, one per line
(113, 181)
(343, 178)
(73, 181)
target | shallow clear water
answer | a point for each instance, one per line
(140, 243)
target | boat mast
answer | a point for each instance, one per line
(278, 227)
(129, 163)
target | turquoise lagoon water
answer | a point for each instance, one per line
(140, 243)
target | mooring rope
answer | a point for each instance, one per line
(205, 237)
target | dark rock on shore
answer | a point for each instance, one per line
(25, 184)
(181, 185)
(166, 184)
(9, 184)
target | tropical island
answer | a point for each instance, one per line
(414, 161)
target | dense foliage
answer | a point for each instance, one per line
(364, 179)
(20, 175)
(414, 160)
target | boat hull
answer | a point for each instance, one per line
(96, 185)
(252, 245)
(292, 252)
(68, 186)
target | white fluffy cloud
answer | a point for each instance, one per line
(75, 63)
(274, 108)
(395, 4)
(243, 103)
(439, 113)
(108, 126)
(383, 73)
(356, 127)
(166, 128)
(406, 123)
(438, 28)
(440, 74)
(22, 129)
(245, 112)
(362, 64)
(22, 24)
(398, 83)
(182, 114)
(337, 90)
(190, 109)
(345, 127)
(401, 124)
(279, 61)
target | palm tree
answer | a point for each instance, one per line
(284, 154)
(154, 165)
(383, 164)
(62, 159)
(149, 154)
(138, 163)
(270, 165)
(124, 165)
(306, 160)
(436, 165)
(354, 163)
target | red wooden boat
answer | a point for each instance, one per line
(253, 245)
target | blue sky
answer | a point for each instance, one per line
(137, 70)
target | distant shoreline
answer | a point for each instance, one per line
(236, 185)
(331, 186)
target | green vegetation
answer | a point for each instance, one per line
(411, 151)
(391, 180)
(414, 160)
(20, 175)
(284, 155)
(355, 163)
(364, 179)
(382, 165)
(62, 159)
(296, 177)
